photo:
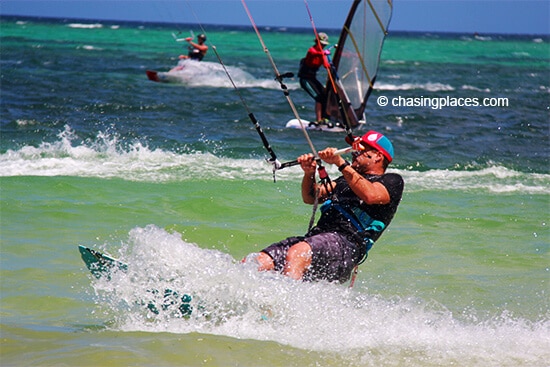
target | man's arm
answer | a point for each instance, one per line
(308, 164)
(203, 48)
(309, 186)
(369, 192)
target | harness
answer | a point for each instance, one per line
(195, 53)
(359, 219)
(362, 222)
(305, 71)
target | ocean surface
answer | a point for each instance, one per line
(172, 179)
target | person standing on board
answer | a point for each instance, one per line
(316, 56)
(357, 207)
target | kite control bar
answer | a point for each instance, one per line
(295, 162)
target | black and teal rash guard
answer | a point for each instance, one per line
(347, 214)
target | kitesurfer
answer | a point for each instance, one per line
(357, 207)
(316, 57)
(198, 50)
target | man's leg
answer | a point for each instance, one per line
(298, 260)
(265, 262)
(318, 111)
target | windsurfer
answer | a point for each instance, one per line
(316, 56)
(357, 208)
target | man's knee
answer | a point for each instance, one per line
(299, 251)
(263, 260)
(298, 260)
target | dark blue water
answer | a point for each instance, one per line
(47, 67)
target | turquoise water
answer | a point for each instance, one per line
(172, 180)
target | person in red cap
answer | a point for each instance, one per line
(357, 207)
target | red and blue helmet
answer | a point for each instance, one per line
(377, 141)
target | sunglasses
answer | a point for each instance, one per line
(356, 154)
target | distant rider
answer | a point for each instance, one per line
(316, 56)
(196, 50)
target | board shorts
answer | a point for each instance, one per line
(333, 256)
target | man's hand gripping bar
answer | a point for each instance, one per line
(295, 162)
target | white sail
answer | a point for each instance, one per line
(355, 62)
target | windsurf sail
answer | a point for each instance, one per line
(356, 59)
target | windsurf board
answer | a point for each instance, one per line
(295, 124)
